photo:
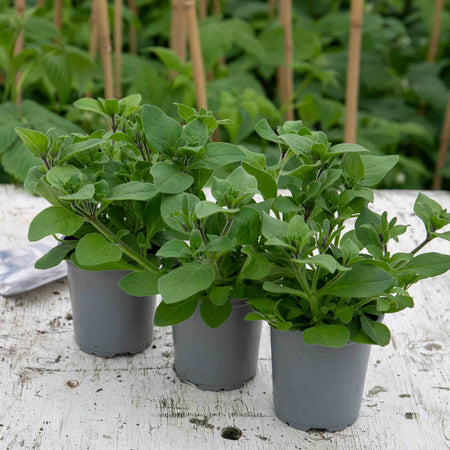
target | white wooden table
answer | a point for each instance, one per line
(53, 396)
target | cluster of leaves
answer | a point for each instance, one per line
(402, 98)
(133, 198)
(335, 284)
(130, 197)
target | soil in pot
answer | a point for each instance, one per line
(217, 359)
(316, 386)
(107, 321)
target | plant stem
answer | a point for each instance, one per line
(124, 247)
(420, 246)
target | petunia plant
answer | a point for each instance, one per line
(334, 277)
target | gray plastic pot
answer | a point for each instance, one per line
(217, 359)
(107, 321)
(315, 386)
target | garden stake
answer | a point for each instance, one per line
(434, 38)
(196, 54)
(203, 8)
(443, 149)
(105, 47)
(178, 32)
(93, 38)
(285, 74)
(57, 18)
(117, 48)
(354, 55)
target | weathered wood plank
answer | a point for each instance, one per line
(53, 396)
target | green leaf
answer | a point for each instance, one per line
(378, 332)
(376, 168)
(85, 193)
(133, 190)
(73, 149)
(428, 265)
(185, 281)
(220, 245)
(256, 266)
(425, 208)
(205, 209)
(34, 141)
(215, 315)
(352, 166)
(54, 256)
(63, 176)
(300, 145)
(266, 184)
(33, 176)
(265, 131)
(243, 182)
(171, 60)
(297, 228)
(251, 317)
(272, 227)
(269, 286)
(89, 104)
(361, 281)
(347, 148)
(219, 154)
(169, 180)
(335, 336)
(171, 314)
(326, 261)
(175, 249)
(54, 220)
(160, 130)
(219, 294)
(115, 265)
(344, 313)
(195, 133)
(141, 284)
(93, 249)
(445, 235)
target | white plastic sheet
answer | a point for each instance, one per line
(17, 272)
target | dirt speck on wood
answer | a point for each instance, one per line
(232, 433)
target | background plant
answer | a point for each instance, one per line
(241, 52)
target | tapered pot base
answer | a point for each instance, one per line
(217, 359)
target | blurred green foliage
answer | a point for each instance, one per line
(402, 98)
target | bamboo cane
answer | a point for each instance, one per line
(354, 54)
(285, 73)
(118, 48)
(93, 38)
(105, 47)
(196, 54)
(443, 148)
(178, 30)
(434, 38)
(57, 14)
(203, 6)
(132, 34)
(18, 47)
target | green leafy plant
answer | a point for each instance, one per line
(129, 197)
(335, 283)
